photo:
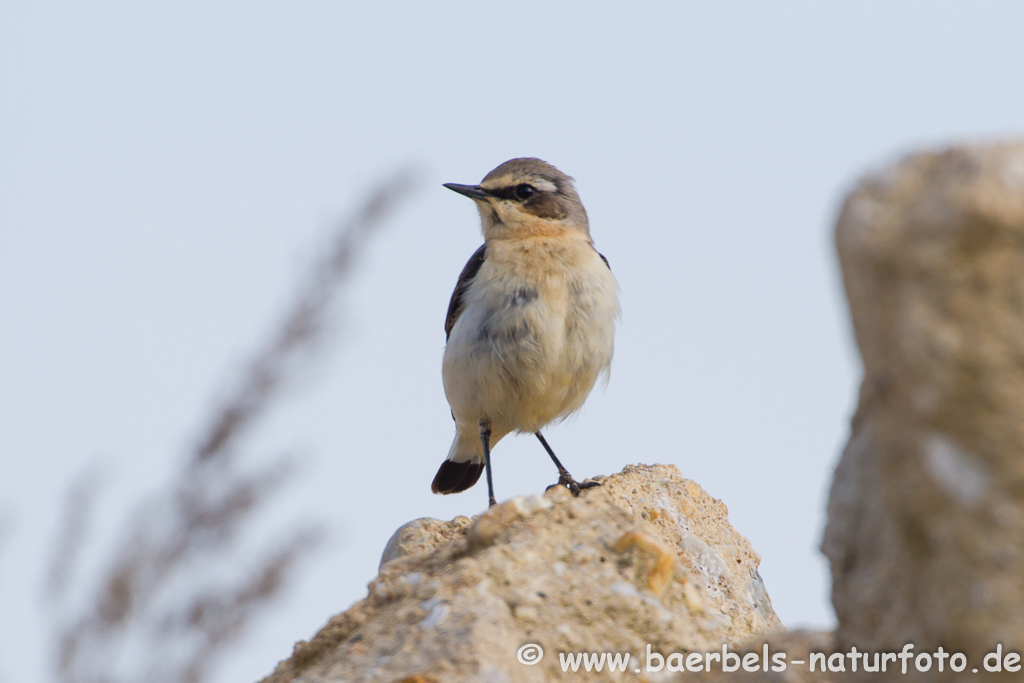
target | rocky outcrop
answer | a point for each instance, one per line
(646, 558)
(926, 518)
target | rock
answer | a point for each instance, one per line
(489, 526)
(926, 516)
(647, 558)
(662, 561)
(421, 536)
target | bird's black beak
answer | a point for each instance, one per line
(471, 191)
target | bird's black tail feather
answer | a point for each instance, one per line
(453, 476)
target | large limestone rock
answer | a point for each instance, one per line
(647, 558)
(926, 518)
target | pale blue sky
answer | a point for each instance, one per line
(166, 172)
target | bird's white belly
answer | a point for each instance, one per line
(523, 354)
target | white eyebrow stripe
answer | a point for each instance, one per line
(545, 185)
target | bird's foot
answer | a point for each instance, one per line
(565, 479)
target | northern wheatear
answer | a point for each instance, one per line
(531, 323)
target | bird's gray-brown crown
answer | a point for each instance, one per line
(524, 192)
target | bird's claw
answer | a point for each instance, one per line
(566, 480)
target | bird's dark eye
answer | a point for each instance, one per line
(523, 191)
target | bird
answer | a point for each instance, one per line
(531, 324)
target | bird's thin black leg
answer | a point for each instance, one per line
(485, 439)
(564, 478)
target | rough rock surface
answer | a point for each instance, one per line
(647, 558)
(926, 517)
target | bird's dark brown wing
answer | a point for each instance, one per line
(604, 259)
(456, 305)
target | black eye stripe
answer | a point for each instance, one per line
(510, 192)
(503, 193)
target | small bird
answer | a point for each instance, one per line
(531, 323)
